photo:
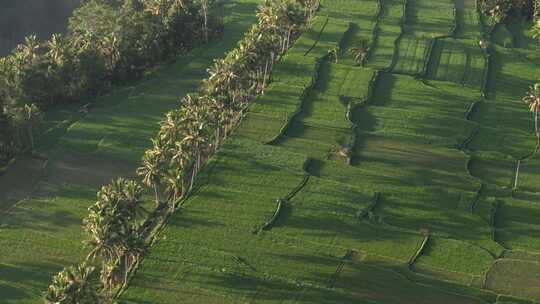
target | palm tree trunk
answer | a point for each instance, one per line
(193, 173)
(536, 121)
(536, 128)
(264, 77)
(289, 38)
(126, 270)
(156, 193)
(205, 12)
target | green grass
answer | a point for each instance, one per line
(459, 61)
(388, 32)
(455, 260)
(429, 18)
(389, 287)
(413, 53)
(509, 276)
(517, 224)
(507, 127)
(42, 233)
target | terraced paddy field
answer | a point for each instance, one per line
(388, 182)
(42, 203)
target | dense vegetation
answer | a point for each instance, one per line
(188, 137)
(107, 42)
(499, 10)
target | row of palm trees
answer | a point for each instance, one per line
(107, 42)
(532, 98)
(113, 230)
(499, 10)
(187, 138)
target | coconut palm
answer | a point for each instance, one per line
(205, 6)
(360, 53)
(73, 285)
(110, 276)
(333, 54)
(101, 237)
(171, 128)
(536, 30)
(56, 49)
(112, 217)
(131, 195)
(30, 48)
(532, 99)
(175, 183)
(32, 117)
(151, 170)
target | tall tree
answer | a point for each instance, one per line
(535, 30)
(360, 53)
(532, 99)
(73, 285)
(152, 169)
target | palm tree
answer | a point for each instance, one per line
(30, 48)
(110, 48)
(204, 12)
(112, 217)
(171, 128)
(360, 53)
(536, 30)
(134, 247)
(73, 285)
(151, 170)
(131, 195)
(532, 99)
(333, 54)
(56, 49)
(101, 239)
(110, 276)
(175, 184)
(32, 118)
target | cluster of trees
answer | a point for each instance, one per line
(188, 137)
(108, 41)
(499, 10)
(532, 98)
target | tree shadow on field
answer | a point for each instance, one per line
(10, 294)
(28, 277)
(191, 218)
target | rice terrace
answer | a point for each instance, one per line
(273, 151)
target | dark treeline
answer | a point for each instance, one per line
(42, 18)
(499, 10)
(106, 42)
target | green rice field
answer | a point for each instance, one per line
(432, 131)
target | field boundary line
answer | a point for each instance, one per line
(318, 37)
(397, 42)
(289, 118)
(376, 29)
